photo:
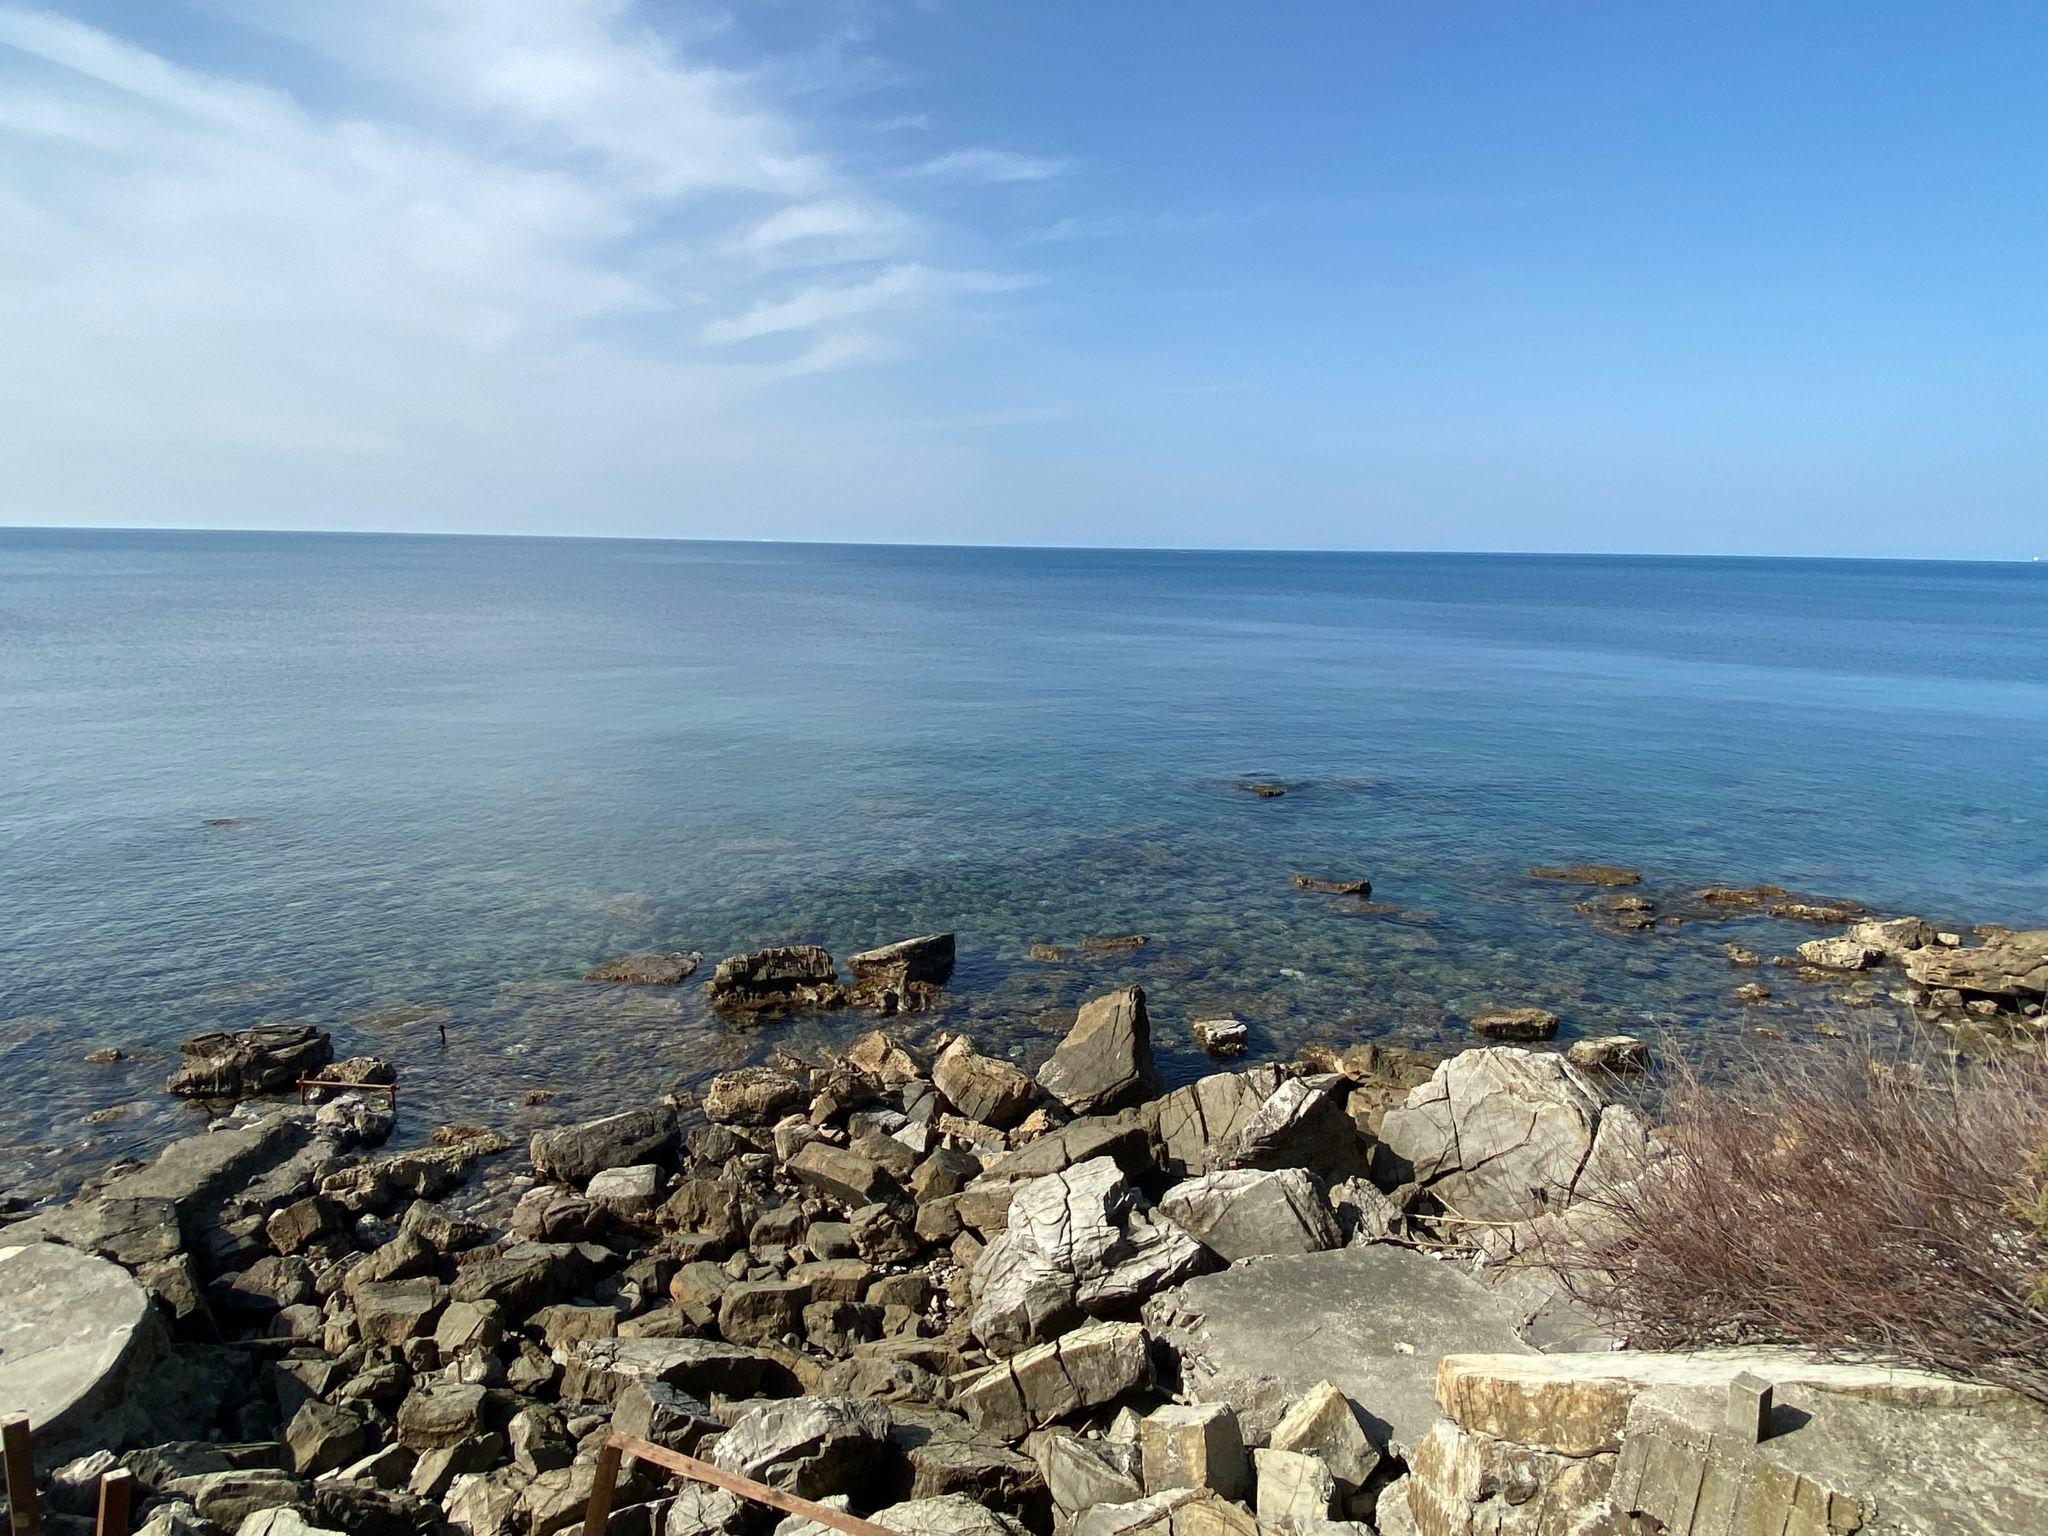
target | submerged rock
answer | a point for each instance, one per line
(1221, 1037)
(646, 968)
(1609, 1053)
(1333, 887)
(1587, 874)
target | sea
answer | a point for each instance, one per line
(409, 788)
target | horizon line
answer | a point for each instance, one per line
(1129, 549)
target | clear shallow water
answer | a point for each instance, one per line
(470, 768)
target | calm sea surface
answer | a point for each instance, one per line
(470, 768)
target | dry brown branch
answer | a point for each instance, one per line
(1851, 1204)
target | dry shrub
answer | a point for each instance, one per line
(1856, 1206)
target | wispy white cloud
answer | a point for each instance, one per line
(471, 240)
(989, 166)
(823, 304)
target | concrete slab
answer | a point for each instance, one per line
(76, 1333)
(1374, 1320)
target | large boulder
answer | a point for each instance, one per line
(1077, 1243)
(1083, 1369)
(235, 1063)
(2011, 967)
(1503, 1134)
(574, 1154)
(901, 977)
(78, 1337)
(1248, 1213)
(1198, 1126)
(1106, 1059)
(809, 1446)
(1372, 1321)
(754, 1096)
(981, 1087)
(788, 976)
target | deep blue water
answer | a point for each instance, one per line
(470, 767)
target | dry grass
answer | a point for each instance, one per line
(1879, 1208)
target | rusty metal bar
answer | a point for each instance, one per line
(116, 1489)
(717, 1477)
(599, 1509)
(24, 1510)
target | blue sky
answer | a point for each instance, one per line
(1629, 276)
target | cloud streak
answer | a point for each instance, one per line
(476, 242)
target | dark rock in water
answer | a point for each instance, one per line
(1106, 1059)
(106, 1055)
(1221, 1037)
(789, 976)
(1265, 789)
(235, 1063)
(1333, 887)
(901, 977)
(1613, 1054)
(1111, 943)
(1779, 902)
(229, 821)
(1630, 914)
(1739, 954)
(1514, 1023)
(1047, 952)
(571, 1154)
(1752, 992)
(646, 968)
(1587, 874)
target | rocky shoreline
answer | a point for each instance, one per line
(954, 1296)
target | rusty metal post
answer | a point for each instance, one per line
(704, 1472)
(116, 1489)
(600, 1507)
(24, 1510)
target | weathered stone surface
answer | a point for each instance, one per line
(281, 1522)
(1324, 1423)
(1614, 1054)
(598, 1370)
(524, 1277)
(950, 1514)
(1082, 1473)
(754, 1096)
(790, 976)
(629, 1193)
(1893, 937)
(573, 1154)
(1294, 1490)
(809, 1446)
(1177, 1512)
(133, 1232)
(1076, 1242)
(1840, 954)
(1221, 1037)
(77, 1335)
(235, 1063)
(1373, 1320)
(2012, 967)
(666, 1415)
(923, 961)
(982, 1088)
(1106, 1059)
(1502, 1134)
(1198, 1126)
(226, 1499)
(392, 1311)
(984, 1470)
(439, 1415)
(646, 968)
(1244, 1213)
(1514, 1023)
(842, 1175)
(324, 1437)
(761, 1311)
(1085, 1368)
(1193, 1446)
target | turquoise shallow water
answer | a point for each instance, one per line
(469, 768)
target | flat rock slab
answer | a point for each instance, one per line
(76, 1332)
(1375, 1321)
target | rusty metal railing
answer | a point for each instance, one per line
(616, 1447)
